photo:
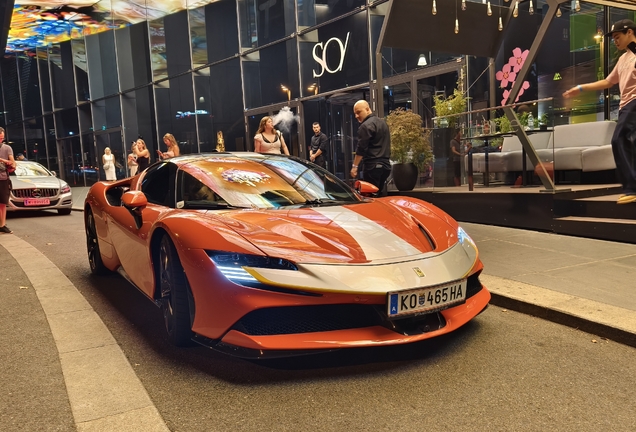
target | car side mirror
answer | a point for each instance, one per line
(135, 202)
(365, 188)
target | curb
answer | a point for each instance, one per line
(603, 320)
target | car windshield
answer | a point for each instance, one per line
(30, 169)
(259, 181)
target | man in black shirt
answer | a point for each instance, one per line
(319, 150)
(374, 147)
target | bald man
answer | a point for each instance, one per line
(374, 147)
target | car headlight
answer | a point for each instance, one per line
(231, 265)
(463, 237)
(65, 188)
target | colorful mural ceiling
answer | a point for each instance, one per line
(39, 23)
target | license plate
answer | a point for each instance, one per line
(37, 201)
(426, 300)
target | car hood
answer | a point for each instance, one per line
(35, 182)
(372, 232)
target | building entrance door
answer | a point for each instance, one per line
(335, 115)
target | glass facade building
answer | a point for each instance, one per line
(216, 68)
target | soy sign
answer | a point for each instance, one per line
(320, 55)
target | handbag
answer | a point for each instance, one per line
(107, 166)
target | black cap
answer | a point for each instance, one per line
(621, 25)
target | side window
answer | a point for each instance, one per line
(192, 189)
(159, 184)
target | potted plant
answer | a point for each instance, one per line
(410, 147)
(447, 106)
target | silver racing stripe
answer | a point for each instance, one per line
(376, 242)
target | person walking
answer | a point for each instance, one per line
(268, 139)
(623, 33)
(6, 161)
(374, 147)
(319, 149)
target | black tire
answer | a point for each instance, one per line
(92, 246)
(174, 295)
(64, 211)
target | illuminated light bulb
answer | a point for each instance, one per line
(577, 5)
(434, 7)
(456, 26)
(489, 9)
(500, 27)
(463, 4)
(558, 14)
(531, 9)
(515, 12)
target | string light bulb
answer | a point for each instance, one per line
(464, 5)
(577, 5)
(531, 9)
(558, 13)
(456, 26)
(489, 9)
(500, 26)
(434, 7)
(515, 11)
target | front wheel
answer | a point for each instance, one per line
(174, 294)
(92, 245)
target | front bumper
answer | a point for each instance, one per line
(56, 202)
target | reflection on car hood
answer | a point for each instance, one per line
(372, 232)
(35, 182)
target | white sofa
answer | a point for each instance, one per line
(583, 146)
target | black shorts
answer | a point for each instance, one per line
(5, 190)
(457, 168)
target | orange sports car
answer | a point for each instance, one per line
(268, 255)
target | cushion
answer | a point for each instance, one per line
(589, 134)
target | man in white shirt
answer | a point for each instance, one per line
(623, 33)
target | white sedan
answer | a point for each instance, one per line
(33, 187)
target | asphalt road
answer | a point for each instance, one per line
(504, 371)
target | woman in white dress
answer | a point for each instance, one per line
(108, 162)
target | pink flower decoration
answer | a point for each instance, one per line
(517, 59)
(525, 86)
(505, 75)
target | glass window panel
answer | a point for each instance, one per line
(11, 89)
(133, 56)
(102, 64)
(51, 144)
(85, 118)
(61, 68)
(265, 21)
(81, 69)
(269, 72)
(15, 137)
(335, 56)
(138, 111)
(66, 123)
(573, 56)
(107, 113)
(35, 139)
(220, 107)
(312, 12)
(45, 80)
(71, 163)
(214, 32)
(158, 50)
(89, 171)
(177, 43)
(176, 112)
(29, 84)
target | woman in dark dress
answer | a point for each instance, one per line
(143, 155)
